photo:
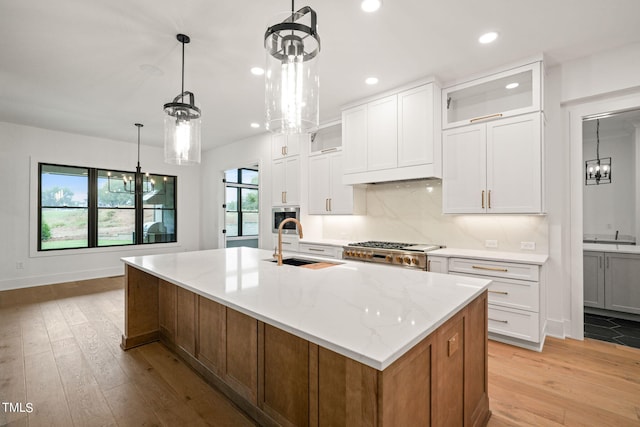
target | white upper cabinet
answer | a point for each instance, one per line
(393, 137)
(509, 93)
(382, 131)
(283, 145)
(493, 167)
(285, 182)
(327, 194)
(354, 139)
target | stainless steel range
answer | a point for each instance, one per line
(409, 255)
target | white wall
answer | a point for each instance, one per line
(21, 148)
(611, 207)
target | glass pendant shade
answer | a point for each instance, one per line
(292, 83)
(182, 144)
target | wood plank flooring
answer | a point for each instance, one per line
(59, 350)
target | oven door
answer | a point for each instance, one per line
(280, 214)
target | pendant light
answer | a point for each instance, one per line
(598, 171)
(292, 84)
(141, 182)
(182, 124)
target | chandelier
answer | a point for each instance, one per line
(292, 83)
(598, 171)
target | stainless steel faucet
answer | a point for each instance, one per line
(278, 254)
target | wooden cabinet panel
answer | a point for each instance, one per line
(346, 391)
(241, 367)
(406, 388)
(448, 399)
(141, 308)
(167, 309)
(283, 389)
(186, 320)
(211, 335)
(476, 382)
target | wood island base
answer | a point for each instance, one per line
(280, 379)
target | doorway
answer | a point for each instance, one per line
(611, 261)
(241, 207)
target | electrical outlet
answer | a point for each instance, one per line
(528, 246)
(19, 266)
(491, 243)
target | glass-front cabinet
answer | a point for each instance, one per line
(508, 93)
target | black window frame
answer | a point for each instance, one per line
(93, 208)
(239, 186)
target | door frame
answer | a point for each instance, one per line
(576, 116)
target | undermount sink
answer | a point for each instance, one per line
(301, 262)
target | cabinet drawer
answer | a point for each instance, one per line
(320, 250)
(514, 323)
(498, 269)
(519, 294)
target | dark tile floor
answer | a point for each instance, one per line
(619, 331)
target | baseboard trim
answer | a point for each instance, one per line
(55, 278)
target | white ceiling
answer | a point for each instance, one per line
(96, 67)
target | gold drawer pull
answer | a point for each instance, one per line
(482, 199)
(491, 116)
(498, 320)
(317, 250)
(480, 267)
(499, 292)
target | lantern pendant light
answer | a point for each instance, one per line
(598, 171)
(182, 124)
(292, 84)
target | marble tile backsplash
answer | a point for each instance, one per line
(411, 211)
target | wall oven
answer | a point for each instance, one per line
(280, 214)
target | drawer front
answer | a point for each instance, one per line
(519, 294)
(510, 270)
(524, 325)
(319, 250)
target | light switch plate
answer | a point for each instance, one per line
(491, 243)
(528, 246)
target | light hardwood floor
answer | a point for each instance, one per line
(59, 351)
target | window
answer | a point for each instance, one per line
(241, 202)
(85, 207)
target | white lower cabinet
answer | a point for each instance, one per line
(437, 264)
(316, 249)
(516, 302)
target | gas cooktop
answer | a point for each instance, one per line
(393, 253)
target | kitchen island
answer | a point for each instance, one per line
(333, 344)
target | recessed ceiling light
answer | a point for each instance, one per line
(257, 71)
(371, 80)
(512, 85)
(488, 37)
(371, 5)
(255, 125)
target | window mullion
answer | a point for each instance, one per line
(92, 220)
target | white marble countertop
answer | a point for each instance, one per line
(370, 313)
(526, 258)
(605, 247)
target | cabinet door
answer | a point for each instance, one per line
(293, 143)
(277, 182)
(437, 264)
(622, 292)
(382, 133)
(464, 170)
(341, 199)
(354, 139)
(319, 184)
(593, 277)
(416, 126)
(278, 145)
(292, 181)
(186, 320)
(514, 165)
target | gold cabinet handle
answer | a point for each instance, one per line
(498, 320)
(499, 292)
(285, 197)
(482, 267)
(316, 250)
(482, 199)
(489, 199)
(286, 150)
(326, 205)
(491, 116)
(282, 150)
(330, 209)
